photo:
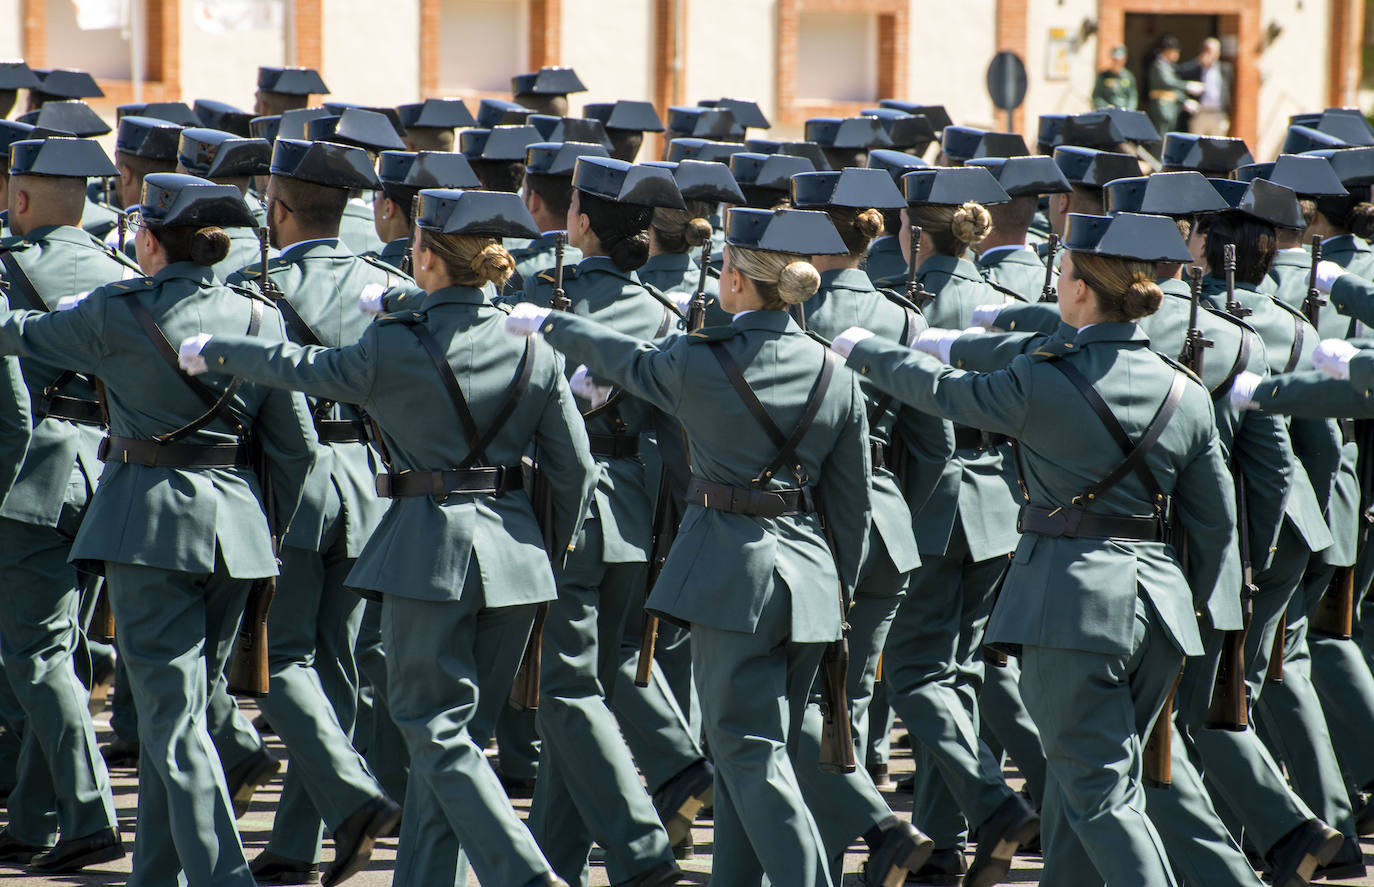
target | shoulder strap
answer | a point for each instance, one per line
(786, 444)
(20, 282)
(294, 322)
(1134, 452)
(1005, 290)
(477, 444)
(1295, 353)
(1242, 360)
(218, 404)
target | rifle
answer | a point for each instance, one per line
(1313, 302)
(1158, 752)
(837, 735)
(102, 618)
(916, 292)
(1233, 307)
(248, 675)
(1195, 343)
(1334, 616)
(666, 516)
(524, 693)
(123, 225)
(1048, 293)
(408, 263)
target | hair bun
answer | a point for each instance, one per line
(971, 223)
(1143, 296)
(870, 223)
(493, 263)
(1360, 221)
(209, 245)
(797, 282)
(698, 231)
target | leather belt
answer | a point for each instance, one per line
(156, 455)
(1074, 523)
(340, 430)
(966, 438)
(614, 446)
(475, 481)
(72, 409)
(748, 500)
(1159, 95)
(1347, 430)
(877, 452)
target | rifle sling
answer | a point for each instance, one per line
(1295, 353)
(611, 408)
(20, 282)
(1238, 367)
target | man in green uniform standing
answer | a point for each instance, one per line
(1115, 87)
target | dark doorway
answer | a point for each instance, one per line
(1142, 30)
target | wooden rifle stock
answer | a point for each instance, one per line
(248, 673)
(524, 693)
(916, 292)
(837, 740)
(1334, 616)
(102, 618)
(1274, 673)
(1048, 293)
(1158, 753)
(1229, 708)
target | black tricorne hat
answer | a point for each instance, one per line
(267, 127)
(852, 187)
(148, 137)
(73, 116)
(426, 169)
(1209, 155)
(215, 154)
(895, 163)
(1307, 175)
(547, 81)
(173, 200)
(358, 127)
(704, 123)
(386, 111)
(478, 213)
(1263, 201)
(952, 186)
(1107, 128)
(12, 131)
(800, 231)
(747, 111)
(856, 133)
(1145, 238)
(499, 112)
(1050, 131)
(16, 74)
(1090, 168)
(937, 115)
(772, 172)
(59, 156)
(291, 81)
(435, 114)
(500, 144)
(1302, 139)
(1025, 176)
(172, 112)
(903, 129)
(1347, 124)
(1182, 193)
(625, 114)
(324, 163)
(1353, 166)
(569, 129)
(67, 83)
(295, 124)
(703, 149)
(559, 158)
(224, 117)
(809, 150)
(637, 184)
(705, 180)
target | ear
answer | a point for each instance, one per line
(21, 201)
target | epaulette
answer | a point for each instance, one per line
(391, 270)
(274, 264)
(1006, 291)
(251, 292)
(569, 273)
(712, 334)
(1290, 309)
(898, 299)
(124, 287)
(14, 243)
(406, 317)
(503, 307)
(1047, 351)
(1181, 368)
(1238, 321)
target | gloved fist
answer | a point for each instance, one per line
(985, 316)
(1332, 356)
(937, 342)
(67, 303)
(585, 387)
(844, 343)
(370, 300)
(1328, 273)
(525, 319)
(188, 355)
(683, 301)
(1243, 391)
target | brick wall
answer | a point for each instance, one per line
(1013, 18)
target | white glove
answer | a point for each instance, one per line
(1243, 391)
(844, 343)
(67, 303)
(584, 387)
(526, 318)
(937, 342)
(683, 301)
(1194, 88)
(188, 356)
(1332, 356)
(1327, 274)
(985, 316)
(370, 300)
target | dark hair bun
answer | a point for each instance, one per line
(1360, 221)
(698, 231)
(1143, 298)
(209, 245)
(631, 252)
(870, 223)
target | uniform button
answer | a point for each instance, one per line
(221, 360)
(864, 371)
(548, 327)
(1068, 344)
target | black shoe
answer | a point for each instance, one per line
(902, 741)
(1302, 851)
(548, 879)
(247, 777)
(685, 849)
(1364, 816)
(878, 773)
(353, 839)
(120, 753)
(1013, 823)
(679, 802)
(516, 786)
(944, 868)
(264, 728)
(271, 868)
(14, 851)
(903, 850)
(906, 785)
(1346, 864)
(664, 874)
(73, 855)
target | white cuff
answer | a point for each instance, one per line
(1243, 391)
(67, 303)
(526, 318)
(937, 342)
(1332, 356)
(370, 301)
(1327, 274)
(188, 355)
(844, 343)
(985, 316)
(583, 385)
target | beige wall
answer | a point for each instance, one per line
(611, 48)
(364, 60)
(11, 29)
(1294, 69)
(731, 51)
(233, 76)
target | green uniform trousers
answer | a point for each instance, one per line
(588, 788)
(173, 629)
(933, 665)
(1006, 727)
(62, 784)
(754, 691)
(440, 656)
(313, 701)
(376, 734)
(1093, 710)
(1345, 687)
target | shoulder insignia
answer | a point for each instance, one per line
(407, 317)
(570, 272)
(124, 287)
(391, 271)
(503, 307)
(712, 334)
(1181, 368)
(1052, 350)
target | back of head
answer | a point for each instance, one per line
(1013, 218)
(782, 279)
(52, 200)
(499, 175)
(554, 191)
(317, 209)
(622, 229)
(470, 259)
(1125, 288)
(683, 230)
(953, 229)
(1353, 212)
(857, 227)
(1255, 242)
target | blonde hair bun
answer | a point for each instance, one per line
(971, 223)
(492, 263)
(870, 223)
(797, 282)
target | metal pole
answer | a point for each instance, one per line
(136, 49)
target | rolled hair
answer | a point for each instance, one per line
(470, 259)
(953, 229)
(857, 227)
(622, 229)
(1125, 288)
(1256, 243)
(1353, 213)
(681, 230)
(782, 279)
(206, 245)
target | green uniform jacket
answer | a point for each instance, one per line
(357, 229)
(847, 298)
(1287, 278)
(602, 291)
(1164, 94)
(535, 256)
(885, 262)
(1362, 374)
(322, 280)
(1080, 594)
(244, 252)
(16, 419)
(394, 253)
(424, 544)
(1352, 253)
(1115, 90)
(98, 219)
(61, 262)
(722, 567)
(679, 273)
(1019, 270)
(171, 518)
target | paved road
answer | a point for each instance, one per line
(257, 824)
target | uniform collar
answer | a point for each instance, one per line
(1124, 331)
(958, 267)
(1295, 257)
(67, 233)
(203, 274)
(847, 279)
(1173, 286)
(456, 295)
(323, 246)
(1006, 251)
(1346, 241)
(669, 262)
(765, 319)
(604, 263)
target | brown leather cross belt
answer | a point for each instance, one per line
(1074, 523)
(73, 409)
(748, 500)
